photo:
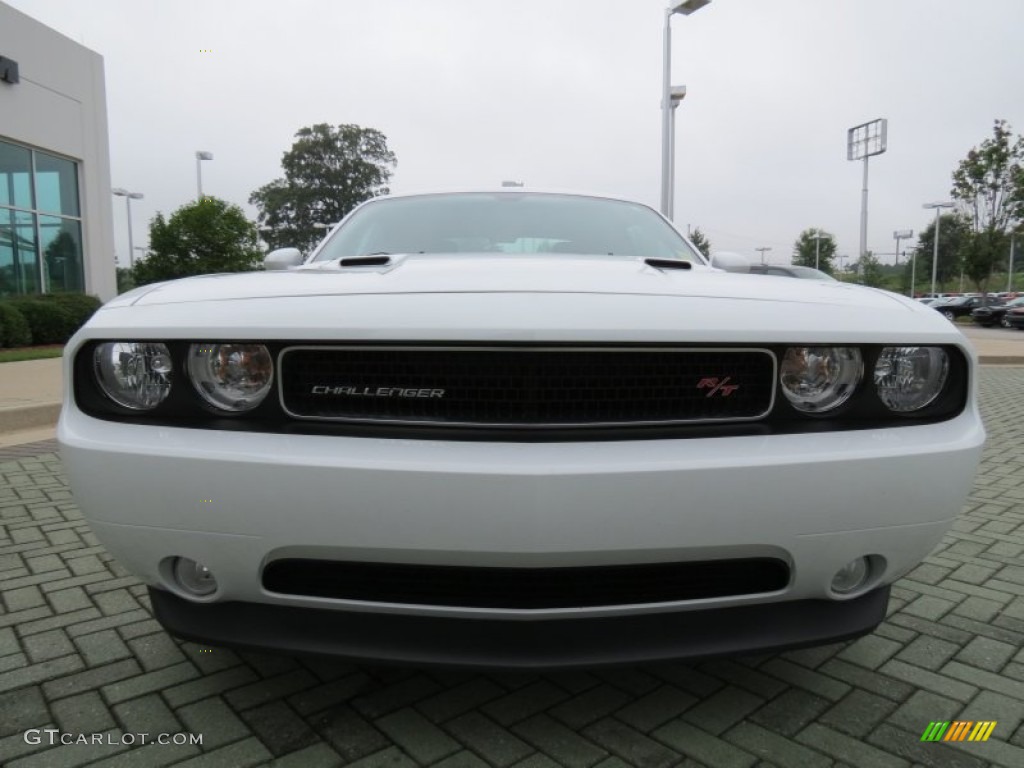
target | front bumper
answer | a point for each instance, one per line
(236, 501)
(395, 638)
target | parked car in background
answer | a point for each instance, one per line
(517, 429)
(931, 301)
(1014, 318)
(962, 306)
(995, 314)
(790, 270)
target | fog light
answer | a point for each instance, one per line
(851, 576)
(195, 578)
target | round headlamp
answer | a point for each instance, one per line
(231, 377)
(818, 379)
(134, 374)
(910, 378)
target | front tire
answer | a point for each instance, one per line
(949, 316)
(1004, 322)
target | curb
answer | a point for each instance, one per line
(1000, 360)
(24, 417)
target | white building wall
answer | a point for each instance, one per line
(60, 106)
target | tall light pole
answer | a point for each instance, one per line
(677, 93)
(864, 141)
(817, 248)
(684, 7)
(200, 156)
(128, 197)
(901, 234)
(762, 249)
(935, 252)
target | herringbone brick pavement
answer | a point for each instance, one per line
(80, 653)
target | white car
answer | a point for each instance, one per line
(517, 429)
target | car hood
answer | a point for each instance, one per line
(487, 273)
(518, 299)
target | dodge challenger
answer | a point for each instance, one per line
(517, 429)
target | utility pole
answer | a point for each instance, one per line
(1009, 276)
(762, 250)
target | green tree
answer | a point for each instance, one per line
(953, 233)
(869, 270)
(989, 184)
(207, 236)
(806, 250)
(327, 172)
(125, 279)
(699, 239)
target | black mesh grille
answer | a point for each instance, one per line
(527, 387)
(525, 588)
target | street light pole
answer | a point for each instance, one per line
(762, 249)
(684, 7)
(817, 248)
(200, 156)
(913, 270)
(677, 94)
(935, 251)
(1009, 275)
(128, 197)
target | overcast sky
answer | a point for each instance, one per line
(565, 94)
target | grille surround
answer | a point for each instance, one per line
(768, 381)
(509, 588)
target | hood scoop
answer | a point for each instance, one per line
(668, 264)
(365, 261)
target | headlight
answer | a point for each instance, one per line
(818, 379)
(134, 374)
(909, 378)
(231, 377)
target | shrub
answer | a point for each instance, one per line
(49, 322)
(79, 305)
(48, 318)
(14, 328)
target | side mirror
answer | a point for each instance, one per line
(282, 258)
(730, 262)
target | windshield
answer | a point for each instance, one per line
(506, 223)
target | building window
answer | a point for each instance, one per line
(40, 223)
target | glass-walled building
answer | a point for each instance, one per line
(56, 224)
(40, 222)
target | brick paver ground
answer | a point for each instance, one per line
(79, 652)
